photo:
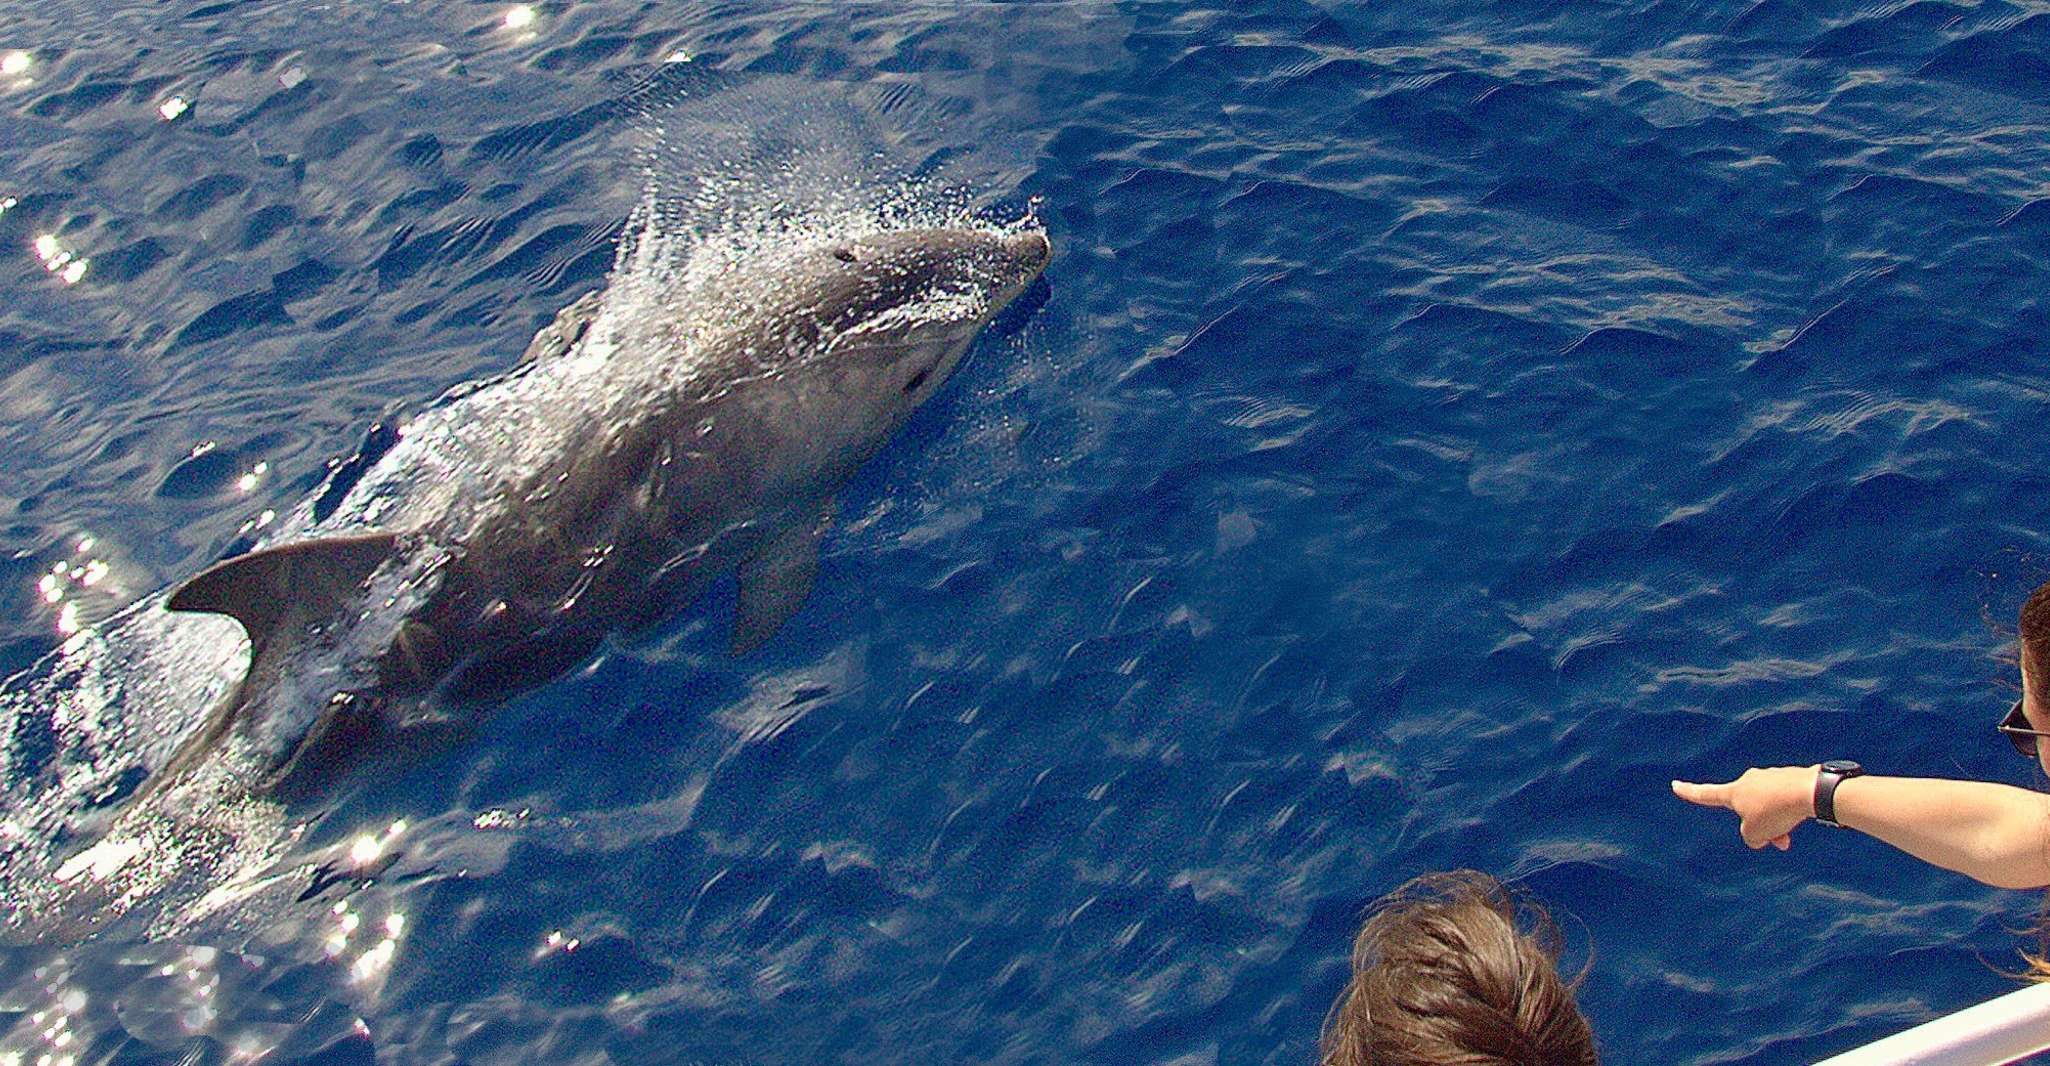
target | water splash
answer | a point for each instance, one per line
(79, 732)
(731, 173)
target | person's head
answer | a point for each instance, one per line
(2033, 649)
(1452, 969)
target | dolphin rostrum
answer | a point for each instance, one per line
(640, 452)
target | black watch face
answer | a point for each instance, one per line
(1843, 766)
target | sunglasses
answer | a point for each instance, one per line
(2016, 726)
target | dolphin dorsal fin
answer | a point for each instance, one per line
(305, 579)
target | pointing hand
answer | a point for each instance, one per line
(1771, 802)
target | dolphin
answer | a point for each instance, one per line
(650, 443)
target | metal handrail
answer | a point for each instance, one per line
(1998, 1031)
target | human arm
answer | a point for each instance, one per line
(1997, 834)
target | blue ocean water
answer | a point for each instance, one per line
(1444, 424)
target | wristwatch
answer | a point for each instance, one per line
(1832, 773)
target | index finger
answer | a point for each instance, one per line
(1705, 795)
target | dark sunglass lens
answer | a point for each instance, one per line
(2015, 725)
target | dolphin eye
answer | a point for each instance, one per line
(845, 255)
(916, 380)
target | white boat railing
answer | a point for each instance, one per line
(1995, 1032)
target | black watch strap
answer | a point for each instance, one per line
(1831, 774)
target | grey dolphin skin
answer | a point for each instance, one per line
(599, 488)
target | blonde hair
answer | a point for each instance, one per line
(1454, 969)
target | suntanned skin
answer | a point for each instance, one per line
(1997, 834)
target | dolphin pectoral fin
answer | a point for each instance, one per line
(306, 579)
(359, 734)
(350, 726)
(774, 581)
